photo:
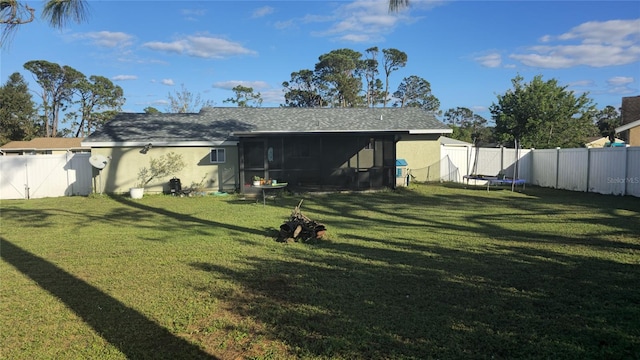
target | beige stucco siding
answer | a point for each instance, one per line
(634, 136)
(422, 153)
(121, 173)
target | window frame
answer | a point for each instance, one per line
(218, 151)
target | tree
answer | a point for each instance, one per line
(415, 91)
(58, 84)
(245, 97)
(607, 120)
(302, 90)
(185, 102)
(151, 110)
(57, 13)
(17, 111)
(468, 126)
(370, 73)
(393, 59)
(96, 94)
(542, 115)
(339, 72)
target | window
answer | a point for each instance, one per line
(217, 156)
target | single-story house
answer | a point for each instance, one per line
(225, 148)
(630, 115)
(44, 145)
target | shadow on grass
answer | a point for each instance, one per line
(123, 327)
(386, 304)
(182, 218)
(519, 294)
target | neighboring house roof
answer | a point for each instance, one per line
(453, 142)
(628, 126)
(630, 110)
(45, 143)
(219, 125)
(597, 142)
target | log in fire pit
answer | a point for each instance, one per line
(300, 228)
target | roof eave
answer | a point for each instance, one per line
(100, 144)
(368, 131)
(628, 126)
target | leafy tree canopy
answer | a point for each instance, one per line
(18, 119)
(245, 97)
(542, 114)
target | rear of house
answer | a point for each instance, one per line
(225, 148)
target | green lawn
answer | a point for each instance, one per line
(432, 271)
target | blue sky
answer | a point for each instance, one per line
(468, 50)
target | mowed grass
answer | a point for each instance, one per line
(432, 271)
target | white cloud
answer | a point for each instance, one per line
(281, 25)
(621, 85)
(492, 60)
(228, 85)
(595, 44)
(124, 77)
(168, 82)
(107, 39)
(193, 12)
(581, 83)
(358, 21)
(620, 80)
(272, 96)
(263, 11)
(202, 46)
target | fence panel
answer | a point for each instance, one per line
(13, 178)
(573, 173)
(39, 176)
(607, 170)
(632, 180)
(524, 164)
(488, 161)
(455, 162)
(544, 167)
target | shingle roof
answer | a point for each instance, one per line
(630, 109)
(220, 124)
(45, 143)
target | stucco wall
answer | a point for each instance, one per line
(121, 173)
(634, 136)
(422, 153)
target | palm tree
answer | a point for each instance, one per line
(59, 12)
(397, 5)
(56, 12)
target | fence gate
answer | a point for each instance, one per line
(39, 176)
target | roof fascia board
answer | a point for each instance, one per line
(159, 143)
(628, 126)
(425, 131)
(432, 131)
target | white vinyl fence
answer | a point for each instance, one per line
(613, 171)
(39, 176)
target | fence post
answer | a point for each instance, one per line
(626, 170)
(557, 166)
(588, 169)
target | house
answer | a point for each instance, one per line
(601, 142)
(44, 145)
(630, 114)
(225, 148)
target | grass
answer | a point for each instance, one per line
(426, 272)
